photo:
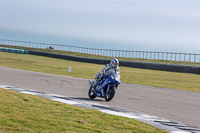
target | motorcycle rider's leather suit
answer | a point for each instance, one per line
(109, 69)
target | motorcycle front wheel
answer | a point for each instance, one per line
(109, 94)
(91, 93)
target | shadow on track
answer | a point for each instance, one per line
(85, 99)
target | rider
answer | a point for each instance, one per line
(109, 69)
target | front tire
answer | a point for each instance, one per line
(110, 94)
(91, 93)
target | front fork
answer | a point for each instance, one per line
(108, 89)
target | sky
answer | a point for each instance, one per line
(147, 23)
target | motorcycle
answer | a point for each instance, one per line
(105, 88)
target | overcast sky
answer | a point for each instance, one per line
(164, 23)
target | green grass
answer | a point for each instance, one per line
(105, 57)
(29, 114)
(181, 81)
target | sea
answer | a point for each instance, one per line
(15, 35)
(55, 39)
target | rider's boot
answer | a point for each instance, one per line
(95, 84)
(96, 81)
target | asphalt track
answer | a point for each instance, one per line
(175, 105)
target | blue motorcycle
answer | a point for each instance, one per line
(105, 88)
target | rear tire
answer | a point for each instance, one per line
(109, 95)
(91, 93)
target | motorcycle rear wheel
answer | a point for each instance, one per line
(91, 93)
(110, 94)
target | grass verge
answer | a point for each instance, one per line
(28, 113)
(181, 81)
(105, 57)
